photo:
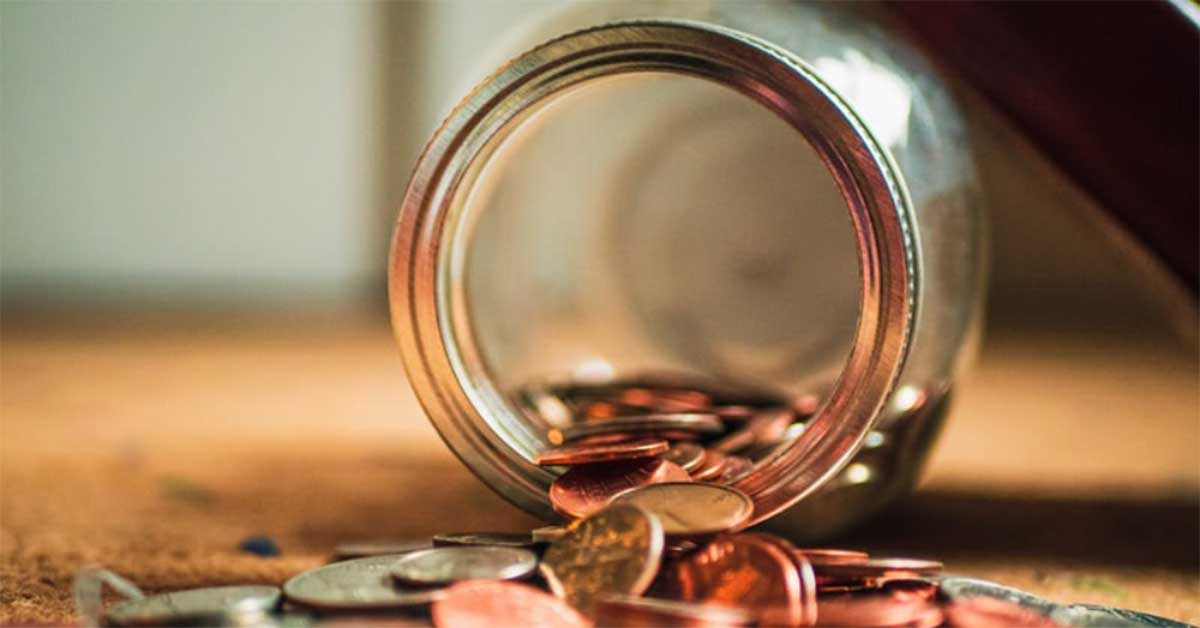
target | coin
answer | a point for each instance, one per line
(359, 584)
(987, 612)
(442, 565)
(492, 604)
(615, 551)
(875, 571)
(736, 468)
(576, 454)
(702, 423)
(193, 606)
(766, 426)
(686, 455)
(826, 556)
(956, 588)
(547, 534)
(744, 570)
(624, 610)
(584, 489)
(1095, 616)
(363, 549)
(875, 609)
(711, 467)
(690, 509)
(503, 539)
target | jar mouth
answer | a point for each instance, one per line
(445, 367)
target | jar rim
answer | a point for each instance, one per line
(466, 414)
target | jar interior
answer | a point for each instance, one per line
(649, 231)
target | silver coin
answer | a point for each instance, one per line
(363, 549)
(193, 606)
(956, 588)
(687, 455)
(690, 509)
(442, 565)
(499, 539)
(702, 423)
(359, 584)
(1095, 616)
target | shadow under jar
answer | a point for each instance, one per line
(767, 207)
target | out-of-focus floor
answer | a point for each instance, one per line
(1070, 466)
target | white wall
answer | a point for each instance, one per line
(157, 149)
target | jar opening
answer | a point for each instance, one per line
(662, 205)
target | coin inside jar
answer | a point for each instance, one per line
(355, 585)
(492, 603)
(576, 454)
(442, 565)
(699, 423)
(690, 509)
(615, 551)
(686, 455)
(585, 489)
(711, 467)
(194, 606)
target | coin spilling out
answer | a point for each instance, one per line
(624, 610)
(748, 570)
(502, 539)
(616, 551)
(652, 469)
(697, 423)
(492, 604)
(585, 489)
(827, 556)
(443, 565)
(875, 571)
(193, 607)
(691, 509)
(577, 454)
(363, 549)
(355, 585)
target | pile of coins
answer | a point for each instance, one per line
(655, 539)
(616, 567)
(620, 435)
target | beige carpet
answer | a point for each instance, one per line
(1069, 467)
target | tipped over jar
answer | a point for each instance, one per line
(764, 214)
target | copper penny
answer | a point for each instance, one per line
(585, 489)
(687, 455)
(711, 467)
(878, 570)
(615, 551)
(746, 571)
(767, 426)
(691, 509)
(576, 454)
(736, 468)
(700, 423)
(867, 610)
(492, 603)
(651, 612)
(826, 556)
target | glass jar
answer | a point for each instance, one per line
(773, 199)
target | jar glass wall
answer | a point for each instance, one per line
(775, 201)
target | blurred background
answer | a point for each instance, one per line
(196, 201)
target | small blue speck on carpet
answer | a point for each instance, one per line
(259, 545)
